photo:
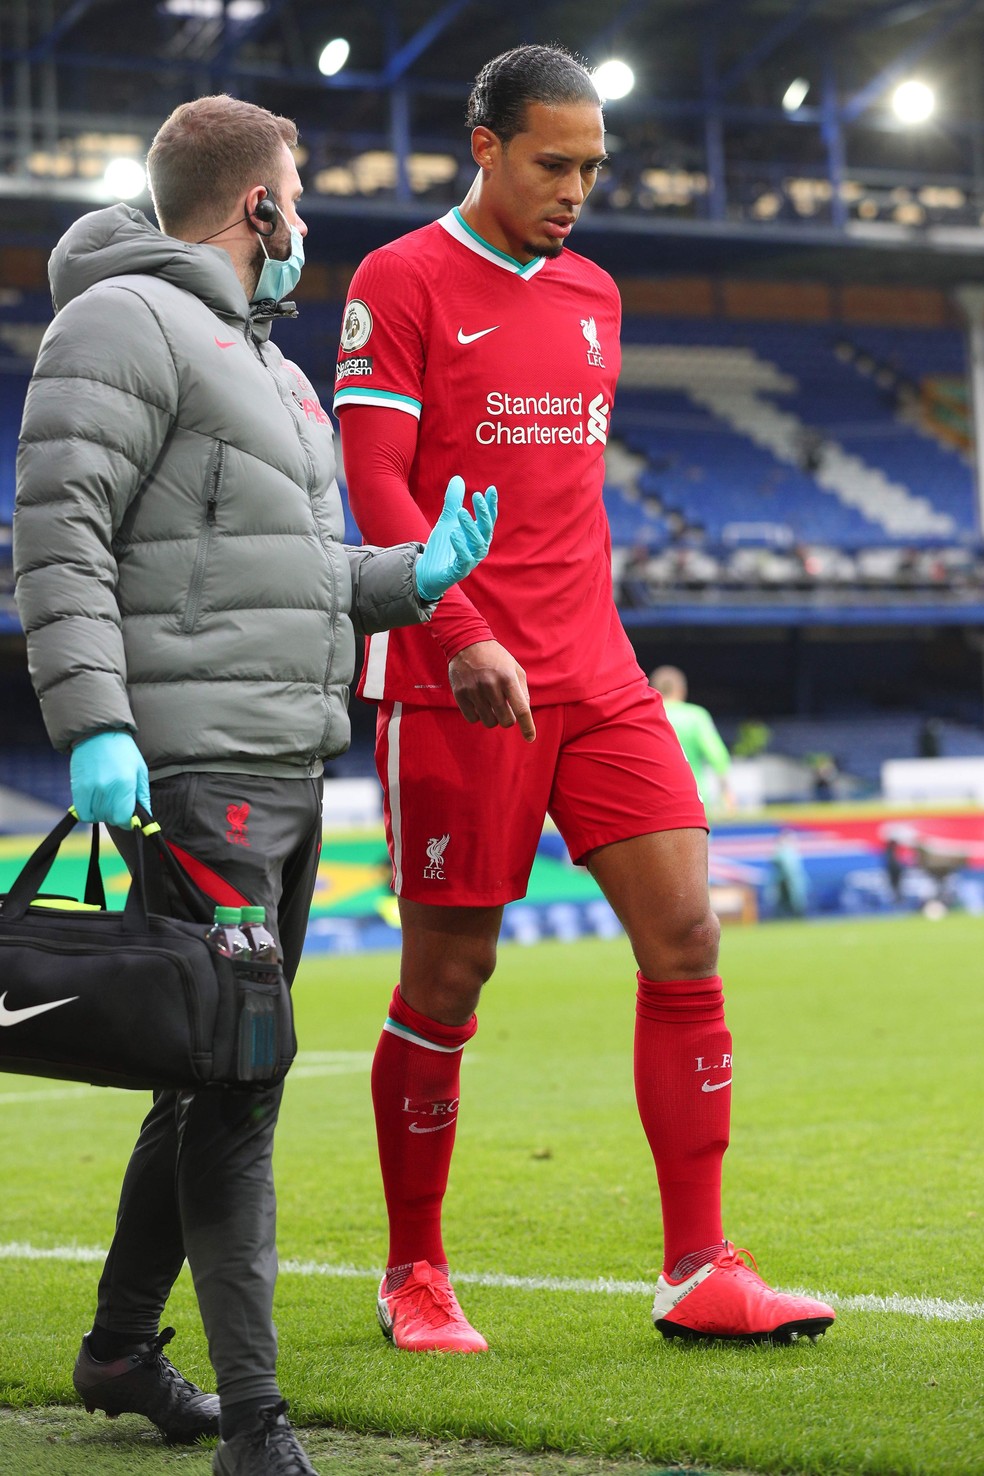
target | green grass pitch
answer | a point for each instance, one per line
(854, 1171)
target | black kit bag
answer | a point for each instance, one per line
(127, 998)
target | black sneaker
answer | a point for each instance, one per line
(271, 1450)
(145, 1382)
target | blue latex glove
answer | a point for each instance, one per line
(109, 778)
(457, 542)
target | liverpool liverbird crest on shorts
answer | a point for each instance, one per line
(436, 847)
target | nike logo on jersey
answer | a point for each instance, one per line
(717, 1086)
(17, 1017)
(464, 337)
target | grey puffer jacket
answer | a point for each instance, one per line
(177, 527)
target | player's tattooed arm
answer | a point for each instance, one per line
(489, 687)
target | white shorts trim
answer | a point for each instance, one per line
(377, 648)
(393, 785)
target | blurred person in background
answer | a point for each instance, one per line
(790, 883)
(704, 748)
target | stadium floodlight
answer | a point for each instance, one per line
(125, 178)
(795, 95)
(236, 10)
(333, 57)
(913, 101)
(613, 79)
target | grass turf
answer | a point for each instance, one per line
(55, 1441)
(854, 1169)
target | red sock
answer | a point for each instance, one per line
(683, 1089)
(415, 1076)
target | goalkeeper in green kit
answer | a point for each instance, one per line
(702, 744)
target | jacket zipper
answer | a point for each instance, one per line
(213, 481)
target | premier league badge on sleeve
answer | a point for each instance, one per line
(356, 327)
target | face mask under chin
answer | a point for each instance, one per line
(278, 278)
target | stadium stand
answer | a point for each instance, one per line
(769, 434)
(860, 743)
(14, 388)
(728, 433)
(751, 460)
(36, 770)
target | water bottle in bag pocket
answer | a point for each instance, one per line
(259, 989)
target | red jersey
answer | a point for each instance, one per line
(510, 370)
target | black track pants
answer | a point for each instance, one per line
(199, 1183)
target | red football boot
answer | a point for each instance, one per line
(727, 1299)
(423, 1315)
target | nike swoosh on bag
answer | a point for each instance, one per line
(464, 337)
(17, 1017)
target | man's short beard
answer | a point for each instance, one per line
(552, 250)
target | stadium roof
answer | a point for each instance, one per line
(706, 163)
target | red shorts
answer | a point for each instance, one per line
(464, 805)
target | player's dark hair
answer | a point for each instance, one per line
(508, 83)
(208, 153)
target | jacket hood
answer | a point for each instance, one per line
(120, 241)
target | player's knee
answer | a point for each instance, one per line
(694, 948)
(465, 972)
(706, 941)
(451, 992)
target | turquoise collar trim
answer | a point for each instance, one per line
(522, 267)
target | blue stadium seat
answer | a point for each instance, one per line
(699, 469)
(711, 472)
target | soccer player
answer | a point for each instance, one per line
(702, 744)
(480, 333)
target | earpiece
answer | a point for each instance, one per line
(264, 210)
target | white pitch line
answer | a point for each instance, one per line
(934, 1309)
(16, 1250)
(48, 1094)
(66, 1094)
(308, 1066)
